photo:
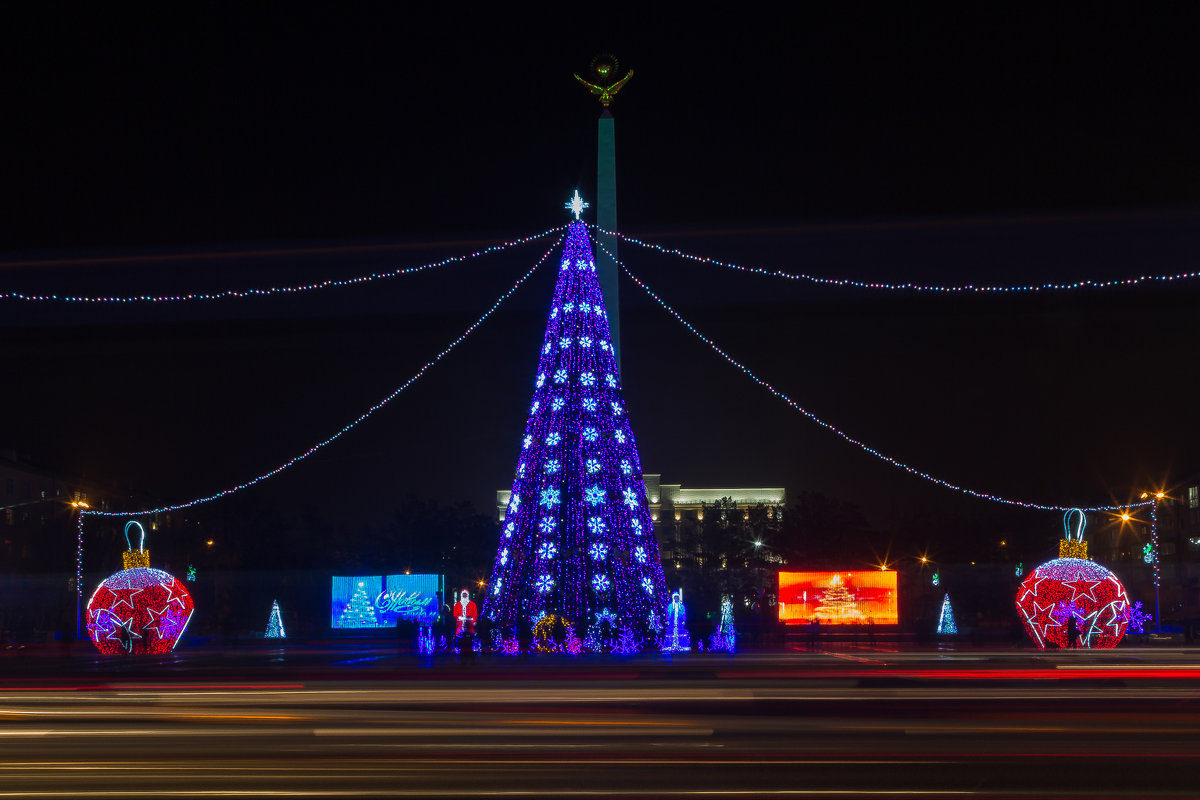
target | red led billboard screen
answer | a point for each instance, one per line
(839, 598)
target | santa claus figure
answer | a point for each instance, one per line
(465, 614)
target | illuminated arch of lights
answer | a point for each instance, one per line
(278, 290)
(906, 287)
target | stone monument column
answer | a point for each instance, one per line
(602, 70)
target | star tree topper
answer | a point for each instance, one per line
(576, 205)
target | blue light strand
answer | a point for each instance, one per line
(1154, 539)
(347, 428)
(276, 290)
(910, 287)
(847, 437)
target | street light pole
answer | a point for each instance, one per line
(1154, 539)
(1154, 497)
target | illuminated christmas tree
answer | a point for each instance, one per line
(275, 624)
(946, 618)
(358, 613)
(725, 639)
(577, 534)
(837, 602)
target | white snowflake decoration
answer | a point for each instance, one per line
(589, 404)
(596, 525)
(591, 434)
(508, 530)
(616, 408)
(541, 378)
(592, 465)
(648, 585)
(587, 379)
(547, 550)
(564, 342)
(550, 497)
(610, 379)
(546, 349)
(639, 553)
(553, 438)
(604, 345)
(594, 495)
(557, 404)
(514, 503)
(598, 551)
(636, 524)
(521, 470)
(560, 376)
(547, 524)
(568, 307)
(620, 436)
(544, 583)
(585, 341)
(528, 440)
(601, 583)
(504, 556)
(626, 467)
(552, 466)
(630, 498)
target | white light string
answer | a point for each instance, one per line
(276, 290)
(847, 437)
(911, 287)
(347, 428)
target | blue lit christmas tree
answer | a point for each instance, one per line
(577, 537)
(946, 618)
(275, 624)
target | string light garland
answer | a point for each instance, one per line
(346, 428)
(839, 432)
(907, 287)
(277, 290)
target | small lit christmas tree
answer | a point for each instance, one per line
(837, 602)
(725, 639)
(946, 618)
(358, 613)
(628, 642)
(275, 624)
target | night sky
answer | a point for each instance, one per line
(161, 149)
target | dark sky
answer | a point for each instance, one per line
(222, 146)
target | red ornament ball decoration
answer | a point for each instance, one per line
(139, 610)
(1073, 587)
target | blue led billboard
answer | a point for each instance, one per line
(379, 601)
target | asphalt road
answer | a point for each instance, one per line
(356, 721)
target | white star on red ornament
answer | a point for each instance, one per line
(124, 596)
(127, 626)
(172, 596)
(1032, 589)
(1041, 612)
(1089, 592)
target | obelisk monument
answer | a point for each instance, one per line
(603, 72)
